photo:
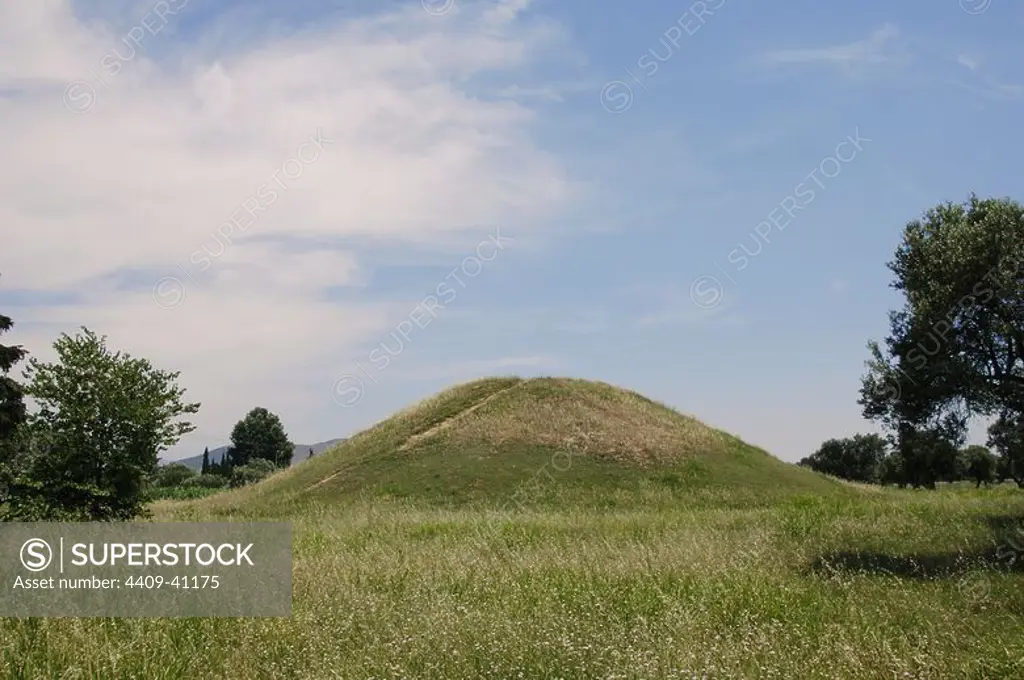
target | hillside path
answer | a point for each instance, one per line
(420, 436)
(447, 422)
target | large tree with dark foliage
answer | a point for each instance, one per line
(94, 441)
(977, 463)
(890, 471)
(956, 348)
(1006, 436)
(260, 435)
(856, 458)
(12, 402)
(12, 412)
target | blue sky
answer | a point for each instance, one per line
(624, 154)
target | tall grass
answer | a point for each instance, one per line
(880, 584)
(180, 493)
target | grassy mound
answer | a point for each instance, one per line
(516, 442)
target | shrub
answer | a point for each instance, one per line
(208, 481)
(174, 474)
(252, 472)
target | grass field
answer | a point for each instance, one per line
(555, 561)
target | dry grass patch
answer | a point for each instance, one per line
(587, 418)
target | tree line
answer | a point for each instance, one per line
(868, 458)
(955, 352)
(89, 449)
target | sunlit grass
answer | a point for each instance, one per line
(404, 589)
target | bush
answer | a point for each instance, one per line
(207, 481)
(174, 474)
(252, 472)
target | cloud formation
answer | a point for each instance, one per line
(133, 175)
(875, 49)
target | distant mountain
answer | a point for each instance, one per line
(300, 454)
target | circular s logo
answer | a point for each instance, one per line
(348, 391)
(36, 554)
(706, 292)
(616, 96)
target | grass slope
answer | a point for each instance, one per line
(543, 441)
(664, 549)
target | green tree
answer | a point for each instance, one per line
(1006, 435)
(1002, 470)
(260, 435)
(12, 411)
(223, 466)
(956, 348)
(206, 461)
(978, 464)
(927, 456)
(12, 402)
(856, 458)
(890, 471)
(102, 420)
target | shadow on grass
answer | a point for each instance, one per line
(944, 565)
(1006, 554)
(1006, 526)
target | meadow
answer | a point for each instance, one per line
(682, 570)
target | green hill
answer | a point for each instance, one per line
(516, 442)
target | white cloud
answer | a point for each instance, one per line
(872, 50)
(171, 150)
(968, 62)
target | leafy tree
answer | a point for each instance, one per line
(890, 471)
(174, 474)
(12, 403)
(12, 414)
(206, 461)
(252, 472)
(927, 456)
(1006, 435)
(1002, 469)
(978, 464)
(855, 459)
(956, 348)
(260, 435)
(102, 420)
